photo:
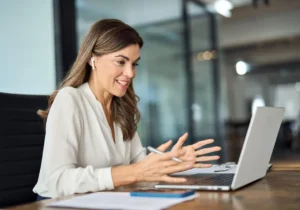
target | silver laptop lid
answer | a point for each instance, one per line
(258, 146)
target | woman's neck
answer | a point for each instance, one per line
(104, 97)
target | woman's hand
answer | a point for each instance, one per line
(157, 167)
(194, 151)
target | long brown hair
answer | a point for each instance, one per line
(105, 36)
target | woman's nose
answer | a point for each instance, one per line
(129, 72)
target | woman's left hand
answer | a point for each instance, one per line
(194, 151)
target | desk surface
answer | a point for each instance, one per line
(280, 189)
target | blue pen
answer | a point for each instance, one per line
(151, 149)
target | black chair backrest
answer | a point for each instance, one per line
(22, 135)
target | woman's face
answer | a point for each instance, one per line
(115, 71)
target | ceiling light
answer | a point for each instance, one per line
(223, 7)
(241, 68)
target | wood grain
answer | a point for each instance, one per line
(280, 189)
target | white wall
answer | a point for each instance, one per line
(27, 47)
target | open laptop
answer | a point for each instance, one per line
(254, 159)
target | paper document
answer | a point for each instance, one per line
(119, 200)
(217, 169)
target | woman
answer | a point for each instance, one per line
(91, 142)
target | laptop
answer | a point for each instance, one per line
(254, 158)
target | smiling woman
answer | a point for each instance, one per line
(107, 49)
(91, 142)
(112, 75)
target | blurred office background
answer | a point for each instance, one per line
(201, 71)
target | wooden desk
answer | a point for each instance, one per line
(280, 189)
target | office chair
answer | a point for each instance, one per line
(21, 146)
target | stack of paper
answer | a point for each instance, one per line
(119, 200)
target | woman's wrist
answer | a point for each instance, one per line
(124, 175)
(136, 173)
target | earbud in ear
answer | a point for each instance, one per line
(92, 62)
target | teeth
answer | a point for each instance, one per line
(122, 82)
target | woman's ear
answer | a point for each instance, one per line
(92, 62)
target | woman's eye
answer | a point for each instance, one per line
(121, 63)
(135, 64)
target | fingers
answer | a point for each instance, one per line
(180, 142)
(165, 146)
(173, 179)
(202, 143)
(168, 163)
(170, 155)
(207, 158)
(201, 165)
(207, 150)
(178, 167)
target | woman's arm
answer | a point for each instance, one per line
(123, 175)
(61, 150)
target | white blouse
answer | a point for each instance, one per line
(79, 150)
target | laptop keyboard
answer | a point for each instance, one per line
(210, 179)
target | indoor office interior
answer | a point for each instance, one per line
(202, 70)
(205, 73)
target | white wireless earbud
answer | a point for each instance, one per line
(93, 63)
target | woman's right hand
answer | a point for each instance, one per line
(156, 167)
